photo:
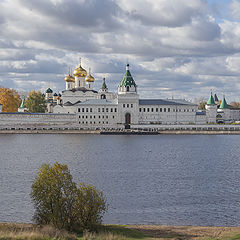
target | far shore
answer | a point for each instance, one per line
(120, 132)
(115, 232)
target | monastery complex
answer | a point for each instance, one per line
(81, 106)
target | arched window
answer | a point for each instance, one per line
(103, 96)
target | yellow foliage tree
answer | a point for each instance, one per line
(10, 100)
(235, 104)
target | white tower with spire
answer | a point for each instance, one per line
(103, 88)
(128, 100)
(127, 85)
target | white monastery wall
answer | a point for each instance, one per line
(167, 114)
(18, 119)
(97, 116)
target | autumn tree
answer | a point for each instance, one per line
(10, 100)
(36, 102)
(235, 104)
(59, 201)
(201, 105)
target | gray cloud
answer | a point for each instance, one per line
(174, 47)
(168, 13)
(204, 30)
(87, 14)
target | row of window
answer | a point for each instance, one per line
(140, 109)
(164, 110)
(94, 117)
(86, 122)
(164, 117)
(127, 105)
(99, 110)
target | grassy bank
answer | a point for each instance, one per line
(9, 231)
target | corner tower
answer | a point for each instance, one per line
(224, 109)
(211, 110)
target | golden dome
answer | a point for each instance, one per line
(80, 72)
(89, 78)
(72, 78)
(69, 78)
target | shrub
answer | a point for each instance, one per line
(60, 202)
(90, 206)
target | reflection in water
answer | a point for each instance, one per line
(180, 180)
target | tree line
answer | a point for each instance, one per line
(11, 101)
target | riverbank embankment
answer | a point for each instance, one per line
(14, 231)
(134, 130)
(121, 132)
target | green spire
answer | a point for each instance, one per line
(224, 103)
(23, 102)
(49, 90)
(127, 79)
(211, 100)
(104, 86)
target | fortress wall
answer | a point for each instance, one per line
(19, 119)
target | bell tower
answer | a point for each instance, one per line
(128, 100)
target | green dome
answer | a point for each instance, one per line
(127, 79)
(49, 90)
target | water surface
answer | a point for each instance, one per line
(163, 179)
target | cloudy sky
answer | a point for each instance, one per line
(176, 48)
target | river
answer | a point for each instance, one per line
(162, 179)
